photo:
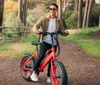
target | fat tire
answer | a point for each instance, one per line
(26, 56)
(63, 71)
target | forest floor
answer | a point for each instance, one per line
(82, 69)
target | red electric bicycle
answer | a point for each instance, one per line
(58, 71)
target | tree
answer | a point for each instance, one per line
(99, 21)
(19, 9)
(64, 4)
(76, 5)
(79, 8)
(87, 13)
(1, 13)
(59, 3)
(22, 10)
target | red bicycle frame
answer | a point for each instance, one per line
(51, 57)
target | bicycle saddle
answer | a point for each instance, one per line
(35, 43)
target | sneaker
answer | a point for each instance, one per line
(34, 77)
(48, 80)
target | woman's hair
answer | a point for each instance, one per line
(54, 5)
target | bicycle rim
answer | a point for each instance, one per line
(59, 74)
(27, 69)
(57, 78)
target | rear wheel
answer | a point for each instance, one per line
(26, 69)
(59, 74)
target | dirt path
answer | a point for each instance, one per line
(82, 69)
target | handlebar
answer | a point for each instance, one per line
(54, 33)
(51, 34)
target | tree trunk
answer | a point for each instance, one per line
(89, 13)
(79, 22)
(22, 11)
(59, 2)
(19, 9)
(99, 21)
(1, 13)
(25, 12)
(85, 13)
(64, 5)
(76, 5)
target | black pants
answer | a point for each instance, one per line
(43, 48)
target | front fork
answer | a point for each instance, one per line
(53, 78)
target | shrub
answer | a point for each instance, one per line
(31, 37)
(95, 15)
(70, 19)
(9, 35)
(11, 20)
(34, 15)
(67, 14)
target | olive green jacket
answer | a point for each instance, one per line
(44, 22)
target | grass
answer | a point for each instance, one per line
(84, 39)
(19, 49)
(92, 47)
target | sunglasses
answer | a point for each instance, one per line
(52, 9)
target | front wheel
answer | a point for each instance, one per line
(26, 68)
(59, 74)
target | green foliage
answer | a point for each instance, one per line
(3, 47)
(19, 49)
(34, 15)
(91, 47)
(95, 15)
(9, 35)
(85, 33)
(30, 20)
(12, 20)
(70, 19)
(31, 37)
(16, 50)
(84, 39)
(67, 14)
(53, 1)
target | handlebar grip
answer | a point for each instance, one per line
(43, 33)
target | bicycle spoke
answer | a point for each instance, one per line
(58, 77)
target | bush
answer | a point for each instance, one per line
(34, 15)
(70, 19)
(31, 37)
(95, 15)
(9, 35)
(12, 20)
(67, 14)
